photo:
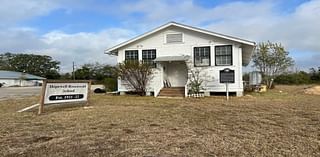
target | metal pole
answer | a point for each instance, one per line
(73, 74)
(227, 91)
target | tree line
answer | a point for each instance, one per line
(300, 77)
(40, 65)
(100, 73)
(271, 59)
(45, 66)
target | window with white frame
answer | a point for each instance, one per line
(131, 55)
(223, 55)
(201, 56)
(174, 37)
(148, 56)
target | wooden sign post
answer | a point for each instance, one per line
(64, 91)
(227, 76)
(43, 90)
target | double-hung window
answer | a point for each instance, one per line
(131, 55)
(223, 55)
(201, 56)
(148, 56)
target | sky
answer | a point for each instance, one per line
(80, 30)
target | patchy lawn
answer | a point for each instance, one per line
(285, 123)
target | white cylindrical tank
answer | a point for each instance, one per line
(255, 78)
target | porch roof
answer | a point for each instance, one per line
(170, 58)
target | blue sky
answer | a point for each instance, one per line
(80, 30)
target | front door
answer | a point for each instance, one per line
(176, 73)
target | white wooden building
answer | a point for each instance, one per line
(179, 49)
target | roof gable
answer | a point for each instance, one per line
(114, 49)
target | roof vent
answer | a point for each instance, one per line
(174, 38)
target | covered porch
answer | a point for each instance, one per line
(172, 76)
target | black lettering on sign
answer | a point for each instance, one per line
(66, 97)
(227, 76)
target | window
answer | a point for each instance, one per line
(148, 56)
(131, 55)
(202, 56)
(223, 55)
(174, 38)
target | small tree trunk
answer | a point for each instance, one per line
(270, 85)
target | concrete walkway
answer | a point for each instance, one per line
(18, 92)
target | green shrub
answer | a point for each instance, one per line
(111, 84)
(293, 78)
(315, 75)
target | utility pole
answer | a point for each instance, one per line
(73, 74)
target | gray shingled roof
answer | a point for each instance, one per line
(17, 75)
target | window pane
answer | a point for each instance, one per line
(229, 60)
(197, 61)
(224, 60)
(218, 60)
(202, 56)
(148, 56)
(198, 54)
(207, 54)
(223, 55)
(223, 51)
(131, 55)
(206, 50)
(228, 49)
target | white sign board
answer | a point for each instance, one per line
(65, 92)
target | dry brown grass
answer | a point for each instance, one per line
(285, 123)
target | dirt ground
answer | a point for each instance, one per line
(315, 90)
(282, 122)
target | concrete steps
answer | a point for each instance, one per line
(172, 92)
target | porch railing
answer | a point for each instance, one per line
(186, 90)
(158, 83)
(186, 86)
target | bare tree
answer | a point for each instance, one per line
(271, 59)
(197, 77)
(136, 74)
(195, 81)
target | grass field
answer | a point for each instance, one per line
(285, 123)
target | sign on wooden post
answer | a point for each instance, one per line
(62, 91)
(227, 76)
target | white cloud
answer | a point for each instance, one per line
(259, 21)
(83, 47)
(298, 30)
(255, 20)
(15, 11)
(12, 11)
(19, 40)
(80, 47)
